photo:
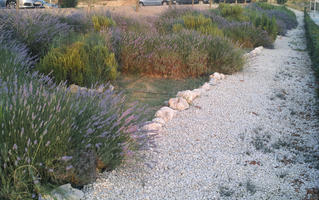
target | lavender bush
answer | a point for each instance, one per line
(50, 135)
(286, 19)
(248, 35)
(178, 55)
(36, 29)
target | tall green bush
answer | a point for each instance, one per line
(312, 35)
(84, 62)
(198, 23)
(234, 13)
(265, 23)
(248, 36)
(184, 54)
(102, 23)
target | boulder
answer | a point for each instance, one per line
(198, 91)
(159, 120)
(100, 89)
(215, 76)
(65, 192)
(152, 127)
(74, 88)
(178, 103)
(206, 86)
(222, 76)
(256, 51)
(165, 113)
(188, 95)
(83, 89)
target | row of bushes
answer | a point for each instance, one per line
(77, 55)
(312, 35)
(51, 136)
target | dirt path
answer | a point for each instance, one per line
(253, 136)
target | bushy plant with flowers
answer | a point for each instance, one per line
(52, 136)
(36, 29)
(285, 18)
(231, 13)
(248, 36)
(179, 55)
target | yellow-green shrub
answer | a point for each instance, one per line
(194, 22)
(177, 28)
(102, 22)
(199, 23)
(232, 12)
(84, 62)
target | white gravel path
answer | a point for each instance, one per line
(252, 136)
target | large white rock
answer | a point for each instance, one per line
(74, 88)
(188, 95)
(152, 127)
(198, 91)
(178, 103)
(216, 76)
(165, 113)
(65, 192)
(159, 120)
(100, 89)
(206, 86)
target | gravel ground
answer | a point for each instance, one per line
(252, 136)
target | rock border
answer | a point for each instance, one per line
(184, 99)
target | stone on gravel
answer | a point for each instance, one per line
(152, 126)
(188, 95)
(74, 88)
(159, 120)
(198, 91)
(206, 86)
(178, 103)
(165, 113)
(100, 89)
(65, 192)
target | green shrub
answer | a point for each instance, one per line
(312, 35)
(177, 28)
(102, 23)
(35, 29)
(265, 23)
(50, 136)
(248, 36)
(179, 55)
(233, 13)
(201, 24)
(68, 3)
(84, 62)
(194, 22)
(265, 6)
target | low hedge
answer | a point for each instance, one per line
(312, 34)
